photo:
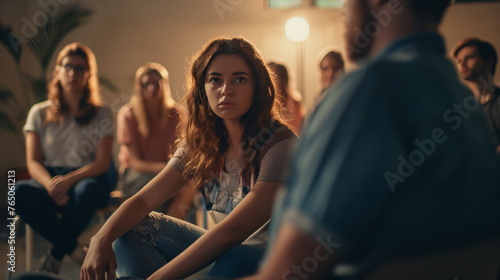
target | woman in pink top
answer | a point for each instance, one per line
(289, 96)
(146, 131)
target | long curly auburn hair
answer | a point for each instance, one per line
(204, 135)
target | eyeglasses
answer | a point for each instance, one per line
(77, 69)
(151, 86)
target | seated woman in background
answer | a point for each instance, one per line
(291, 98)
(234, 145)
(331, 67)
(146, 132)
(68, 151)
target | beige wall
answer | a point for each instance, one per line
(126, 33)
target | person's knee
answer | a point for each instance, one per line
(88, 185)
(23, 190)
(27, 194)
(37, 276)
(90, 188)
(239, 261)
(124, 241)
(242, 251)
(145, 231)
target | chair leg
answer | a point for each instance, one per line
(29, 247)
(8, 270)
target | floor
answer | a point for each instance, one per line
(69, 269)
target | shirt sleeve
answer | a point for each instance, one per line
(34, 120)
(337, 189)
(127, 129)
(274, 165)
(106, 123)
(177, 160)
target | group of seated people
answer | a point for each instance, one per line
(398, 153)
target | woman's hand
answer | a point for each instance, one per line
(99, 260)
(58, 188)
(124, 160)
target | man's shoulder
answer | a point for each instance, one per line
(380, 67)
(495, 100)
(399, 68)
(369, 76)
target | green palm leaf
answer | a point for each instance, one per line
(5, 94)
(38, 87)
(11, 41)
(48, 37)
(107, 83)
(6, 123)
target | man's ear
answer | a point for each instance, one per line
(377, 4)
(488, 65)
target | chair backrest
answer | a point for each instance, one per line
(480, 261)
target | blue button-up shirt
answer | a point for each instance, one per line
(397, 155)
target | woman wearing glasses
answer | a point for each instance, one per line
(68, 151)
(146, 132)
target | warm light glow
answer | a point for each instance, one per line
(297, 29)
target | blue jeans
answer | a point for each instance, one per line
(61, 226)
(158, 239)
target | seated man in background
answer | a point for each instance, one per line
(477, 61)
(400, 157)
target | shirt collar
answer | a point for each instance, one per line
(426, 40)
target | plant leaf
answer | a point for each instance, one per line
(38, 87)
(107, 83)
(11, 41)
(48, 37)
(5, 94)
(6, 123)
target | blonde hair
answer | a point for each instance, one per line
(137, 101)
(91, 98)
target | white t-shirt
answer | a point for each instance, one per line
(67, 143)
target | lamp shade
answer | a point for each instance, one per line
(297, 29)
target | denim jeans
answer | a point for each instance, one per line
(61, 226)
(159, 238)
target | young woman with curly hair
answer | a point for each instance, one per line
(234, 146)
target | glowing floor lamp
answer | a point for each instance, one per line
(297, 30)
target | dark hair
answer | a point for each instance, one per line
(429, 9)
(335, 55)
(282, 79)
(484, 49)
